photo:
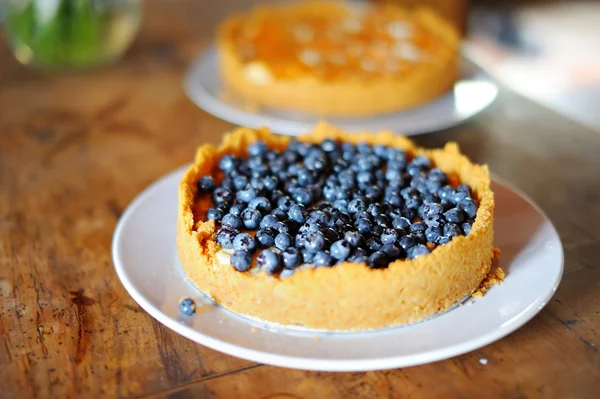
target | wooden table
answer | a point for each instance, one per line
(76, 149)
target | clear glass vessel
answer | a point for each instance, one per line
(70, 34)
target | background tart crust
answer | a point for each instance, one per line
(348, 296)
(385, 93)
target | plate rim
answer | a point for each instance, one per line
(206, 101)
(316, 364)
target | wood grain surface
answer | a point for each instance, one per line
(75, 149)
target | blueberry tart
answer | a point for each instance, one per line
(334, 231)
(337, 58)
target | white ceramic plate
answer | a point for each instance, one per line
(471, 94)
(145, 258)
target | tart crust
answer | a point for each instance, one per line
(258, 83)
(348, 296)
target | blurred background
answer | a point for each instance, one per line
(548, 50)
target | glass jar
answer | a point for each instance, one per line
(71, 34)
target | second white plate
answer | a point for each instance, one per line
(471, 94)
(145, 258)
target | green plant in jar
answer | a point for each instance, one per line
(55, 34)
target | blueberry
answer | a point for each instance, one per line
(307, 257)
(247, 195)
(315, 241)
(251, 218)
(330, 234)
(354, 238)
(283, 241)
(240, 182)
(377, 230)
(302, 196)
(341, 249)
(279, 214)
(341, 205)
(299, 241)
(443, 240)
(291, 258)
(241, 260)
(394, 175)
(422, 162)
(373, 244)
(225, 237)
(432, 208)
(215, 214)
(389, 236)
(381, 220)
(244, 242)
(460, 196)
(466, 228)
(317, 216)
(236, 209)
(187, 307)
(227, 183)
(374, 209)
(407, 242)
(365, 177)
(465, 188)
(257, 181)
(392, 251)
(286, 273)
(446, 204)
(270, 182)
(418, 227)
(305, 177)
(343, 195)
(227, 163)
(261, 204)
(394, 200)
(206, 185)
(323, 258)
(285, 203)
(221, 194)
(433, 234)
(356, 205)
(297, 213)
(409, 213)
(265, 237)
(329, 193)
(454, 216)
(436, 175)
(377, 260)
(231, 221)
(372, 192)
(268, 221)
(446, 193)
(401, 223)
(469, 207)
(452, 230)
(433, 220)
(269, 260)
(416, 251)
(359, 255)
(281, 227)
(257, 149)
(413, 170)
(419, 237)
(328, 145)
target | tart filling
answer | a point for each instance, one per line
(334, 231)
(399, 57)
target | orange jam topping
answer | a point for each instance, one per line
(333, 41)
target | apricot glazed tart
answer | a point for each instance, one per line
(338, 59)
(334, 231)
